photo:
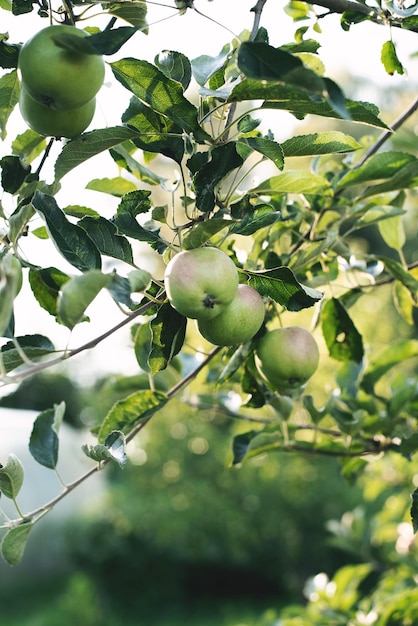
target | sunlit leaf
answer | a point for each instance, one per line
(297, 181)
(132, 12)
(9, 95)
(319, 143)
(115, 186)
(390, 59)
(163, 95)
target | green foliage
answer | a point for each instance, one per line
(319, 223)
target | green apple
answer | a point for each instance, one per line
(53, 123)
(288, 357)
(201, 282)
(238, 322)
(58, 77)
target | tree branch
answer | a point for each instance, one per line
(387, 134)
(36, 513)
(341, 6)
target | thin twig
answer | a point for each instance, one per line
(257, 10)
(70, 487)
(387, 134)
(87, 346)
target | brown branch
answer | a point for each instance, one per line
(341, 6)
(387, 134)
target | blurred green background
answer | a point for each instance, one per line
(179, 537)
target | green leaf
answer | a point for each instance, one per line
(13, 173)
(293, 182)
(395, 355)
(14, 542)
(46, 284)
(28, 145)
(155, 132)
(268, 148)
(129, 412)
(113, 449)
(119, 288)
(175, 66)
(390, 59)
(404, 276)
(124, 159)
(281, 285)
(77, 294)
(117, 186)
(201, 232)
(131, 205)
(404, 178)
(204, 66)
(240, 445)
(9, 96)
(81, 149)
(110, 40)
(393, 232)
(224, 159)
(132, 12)
(9, 54)
(11, 477)
(142, 337)
(343, 340)
(378, 166)
(105, 236)
(44, 443)
(168, 332)
(163, 95)
(252, 218)
(319, 143)
(261, 61)
(300, 102)
(71, 241)
(33, 346)
(139, 280)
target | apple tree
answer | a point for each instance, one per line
(312, 231)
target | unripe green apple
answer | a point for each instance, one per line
(53, 123)
(288, 357)
(201, 282)
(58, 77)
(238, 322)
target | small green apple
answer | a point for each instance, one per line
(58, 77)
(288, 357)
(53, 123)
(238, 322)
(201, 282)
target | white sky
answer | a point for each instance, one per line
(356, 52)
